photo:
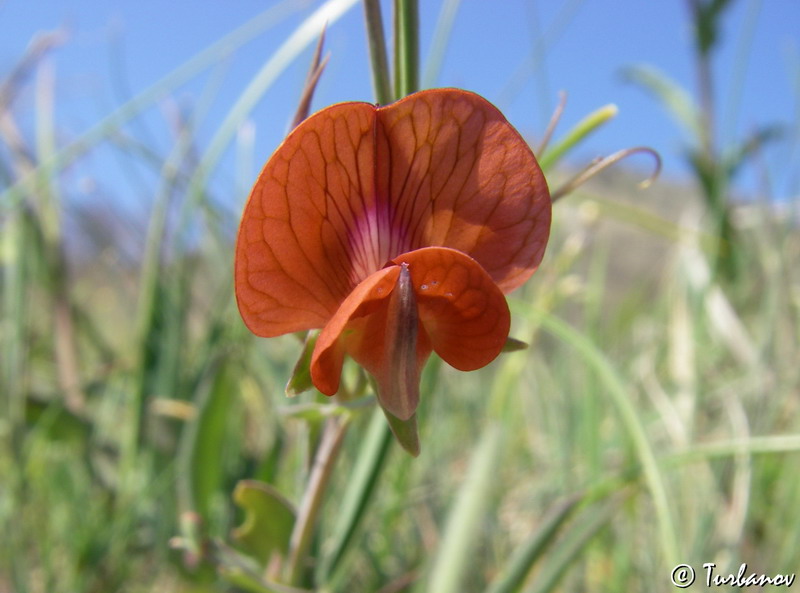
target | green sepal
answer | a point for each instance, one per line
(300, 380)
(405, 431)
(513, 345)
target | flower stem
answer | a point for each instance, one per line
(327, 453)
(381, 78)
(406, 47)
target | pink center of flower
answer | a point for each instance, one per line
(374, 241)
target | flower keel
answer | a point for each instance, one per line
(430, 299)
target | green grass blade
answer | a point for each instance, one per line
(441, 39)
(145, 99)
(461, 534)
(573, 544)
(406, 47)
(633, 425)
(513, 575)
(359, 493)
(576, 135)
(757, 445)
(671, 96)
(307, 33)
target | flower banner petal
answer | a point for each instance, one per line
(354, 185)
(458, 175)
(300, 233)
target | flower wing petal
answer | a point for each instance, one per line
(367, 299)
(378, 325)
(294, 255)
(463, 312)
(459, 175)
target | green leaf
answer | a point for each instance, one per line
(206, 440)
(707, 23)
(751, 145)
(269, 519)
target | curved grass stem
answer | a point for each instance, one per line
(324, 460)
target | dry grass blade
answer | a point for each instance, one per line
(604, 163)
(40, 45)
(317, 66)
(551, 125)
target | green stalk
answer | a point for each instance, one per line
(406, 47)
(305, 525)
(360, 489)
(381, 77)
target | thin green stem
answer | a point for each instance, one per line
(373, 451)
(406, 47)
(327, 453)
(381, 77)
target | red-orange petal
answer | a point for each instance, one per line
(460, 176)
(294, 252)
(367, 298)
(458, 312)
(354, 185)
(368, 328)
(463, 312)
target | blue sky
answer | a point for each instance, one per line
(516, 53)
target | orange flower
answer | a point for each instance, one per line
(396, 230)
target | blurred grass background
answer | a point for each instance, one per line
(653, 419)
